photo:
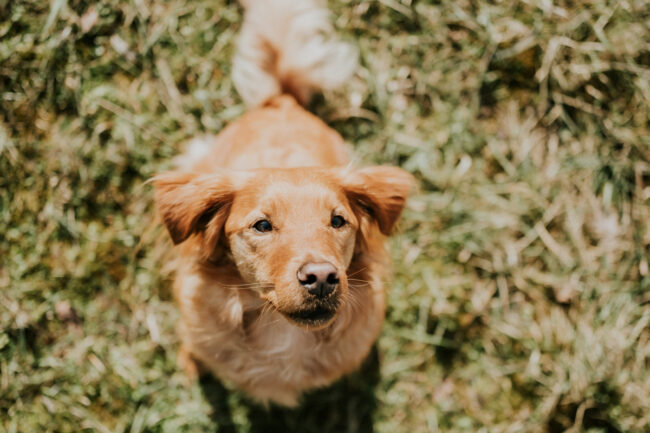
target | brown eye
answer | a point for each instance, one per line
(263, 226)
(337, 221)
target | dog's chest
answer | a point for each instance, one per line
(261, 352)
(289, 353)
(273, 352)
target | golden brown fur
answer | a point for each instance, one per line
(245, 315)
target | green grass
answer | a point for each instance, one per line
(521, 296)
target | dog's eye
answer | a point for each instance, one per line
(337, 221)
(263, 226)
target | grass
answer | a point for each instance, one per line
(521, 295)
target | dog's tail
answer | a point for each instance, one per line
(289, 46)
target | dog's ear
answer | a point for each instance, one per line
(189, 203)
(379, 193)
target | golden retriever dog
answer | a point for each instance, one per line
(279, 255)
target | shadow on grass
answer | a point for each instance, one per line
(346, 406)
(217, 395)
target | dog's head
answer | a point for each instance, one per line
(292, 233)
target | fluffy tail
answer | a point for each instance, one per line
(289, 46)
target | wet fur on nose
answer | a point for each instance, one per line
(320, 279)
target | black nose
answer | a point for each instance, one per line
(319, 279)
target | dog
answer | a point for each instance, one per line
(279, 255)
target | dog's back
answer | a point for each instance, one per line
(286, 51)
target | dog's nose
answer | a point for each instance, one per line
(319, 279)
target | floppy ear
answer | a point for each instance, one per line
(190, 203)
(380, 193)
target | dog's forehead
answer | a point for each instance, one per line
(307, 191)
(291, 186)
(291, 193)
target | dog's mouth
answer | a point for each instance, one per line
(314, 315)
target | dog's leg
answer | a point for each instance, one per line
(193, 368)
